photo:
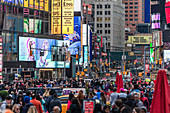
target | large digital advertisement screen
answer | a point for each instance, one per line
(37, 46)
(75, 38)
(167, 11)
(155, 20)
(166, 55)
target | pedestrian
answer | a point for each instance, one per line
(56, 109)
(40, 98)
(48, 100)
(102, 99)
(113, 97)
(106, 109)
(81, 97)
(75, 106)
(139, 103)
(136, 110)
(143, 109)
(16, 108)
(98, 108)
(28, 107)
(7, 103)
(55, 102)
(36, 103)
(122, 107)
(71, 96)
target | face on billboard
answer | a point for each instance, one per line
(75, 38)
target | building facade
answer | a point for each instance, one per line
(109, 22)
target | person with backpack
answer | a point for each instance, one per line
(29, 107)
(55, 102)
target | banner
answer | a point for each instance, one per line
(25, 3)
(139, 39)
(68, 17)
(88, 106)
(56, 17)
(46, 4)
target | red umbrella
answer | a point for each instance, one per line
(120, 83)
(161, 97)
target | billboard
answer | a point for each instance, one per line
(38, 45)
(151, 54)
(147, 11)
(139, 39)
(85, 56)
(166, 55)
(32, 25)
(13, 2)
(157, 38)
(77, 5)
(67, 16)
(84, 41)
(167, 11)
(56, 17)
(155, 21)
(75, 38)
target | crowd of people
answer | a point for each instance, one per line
(134, 97)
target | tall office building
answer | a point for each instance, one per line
(109, 21)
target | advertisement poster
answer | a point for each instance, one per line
(37, 26)
(56, 17)
(88, 106)
(46, 4)
(25, 45)
(166, 55)
(14, 2)
(26, 24)
(85, 56)
(167, 11)
(67, 17)
(75, 38)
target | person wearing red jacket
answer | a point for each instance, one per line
(37, 104)
(145, 101)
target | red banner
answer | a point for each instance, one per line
(88, 107)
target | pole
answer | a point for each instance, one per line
(109, 60)
(78, 65)
(64, 67)
(144, 60)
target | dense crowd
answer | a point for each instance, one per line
(134, 97)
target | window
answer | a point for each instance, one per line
(105, 25)
(136, 3)
(108, 31)
(105, 19)
(100, 25)
(108, 12)
(108, 25)
(108, 19)
(136, 19)
(108, 44)
(100, 12)
(97, 18)
(131, 7)
(131, 3)
(136, 11)
(136, 7)
(136, 15)
(97, 12)
(126, 3)
(126, 15)
(130, 15)
(127, 24)
(97, 25)
(105, 6)
(131, 11)
(126, 11)
(126, 19)
(126, 7)
(108, 6)
(100, 31)
(130, 19)
(105, 31)
(97, 31)
(133, 24)
(100, 18)
(100, 6)
(105, 12)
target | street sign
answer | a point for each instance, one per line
(98, 39)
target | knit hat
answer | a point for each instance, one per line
(26, 99)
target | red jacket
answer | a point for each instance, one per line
(37, 104)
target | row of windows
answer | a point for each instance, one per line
(107, 6)
(101, 25)
(131, 15)
(131, 11)
(131, 19)
(131, 3)
(132, 24)
(101, 12)
(131, 7)
(106, 31)
(107, 19)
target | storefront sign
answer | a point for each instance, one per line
(67, 17)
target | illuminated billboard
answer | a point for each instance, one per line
(155, 21)
(37, 45)
(166, 55)
(139, 39)
(75, 38)
(167, 11)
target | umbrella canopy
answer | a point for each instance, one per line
(161, 97)
(119, 82)
(117, 76)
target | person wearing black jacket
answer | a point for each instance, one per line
(75, 106)
(55, 102)
(122, 108)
